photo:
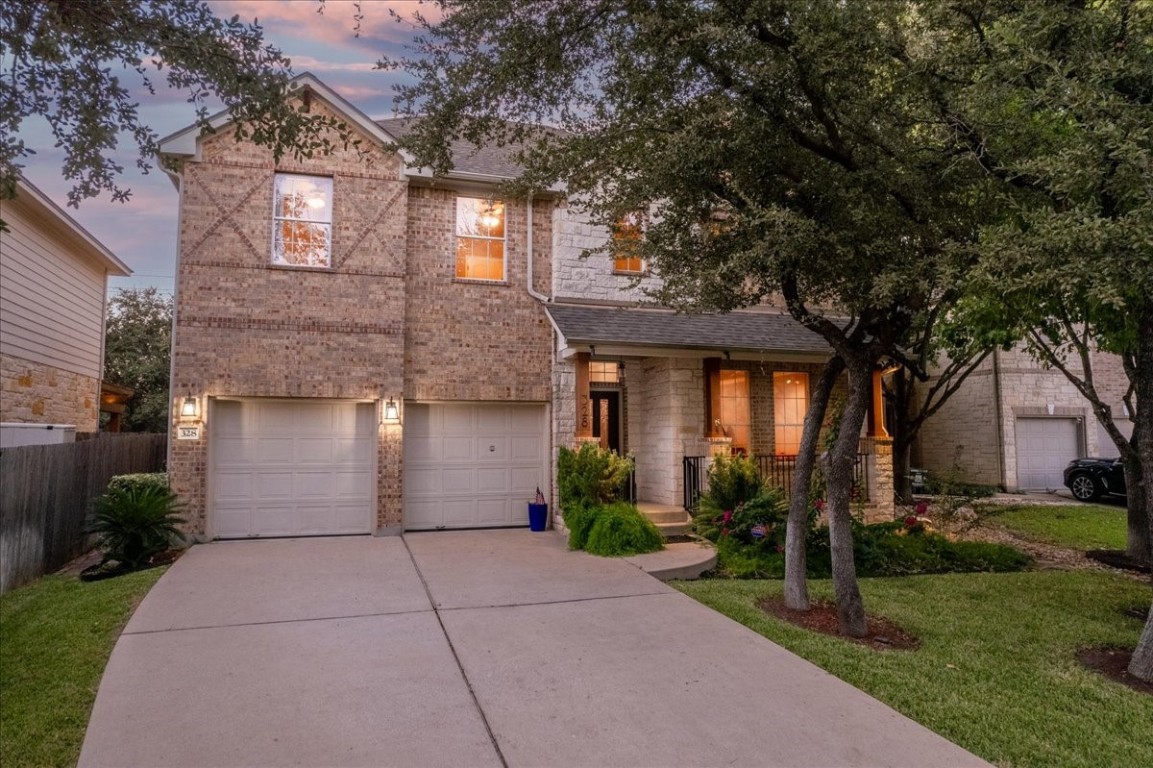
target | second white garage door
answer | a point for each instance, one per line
(292, 468)
(1044, 447)
(472, 465)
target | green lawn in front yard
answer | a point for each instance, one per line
(1084, 526)
(55, 637)
(996, 671)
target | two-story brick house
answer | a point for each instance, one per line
(362, 348)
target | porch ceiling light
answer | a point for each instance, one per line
(189, 409)
(391, 413)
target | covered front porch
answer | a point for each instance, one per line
(674, 391)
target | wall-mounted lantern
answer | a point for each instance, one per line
(189, 408)
(390, 413)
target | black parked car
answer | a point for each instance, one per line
(1090, 479)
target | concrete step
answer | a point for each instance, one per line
(669, 530)
(677, 561)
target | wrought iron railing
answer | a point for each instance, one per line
(776, 471)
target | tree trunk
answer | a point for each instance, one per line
(1139, 539)
(1141, 666)
(902, 437)
(797, 530)
(850, 606)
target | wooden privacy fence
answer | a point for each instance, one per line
(46, 492)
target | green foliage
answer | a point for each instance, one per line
(590, 475)
(620, 529)
(82, 49)
(732, 481)
(133, 523)
(137, 343)
(57, 635)
(768, 509)
(579, 518)
(157, 480)
(996, 671)
(880, 549)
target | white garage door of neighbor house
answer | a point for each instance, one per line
(292, 468)
(1044, 447)
(472, 466)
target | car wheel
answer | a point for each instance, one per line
(1084, 488)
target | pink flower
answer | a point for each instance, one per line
(910, 520)
(922, 508)
(819, 504)
(727, 516)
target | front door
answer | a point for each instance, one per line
(607, 419)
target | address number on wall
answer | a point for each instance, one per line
(188, 433)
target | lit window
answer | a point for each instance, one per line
(627, 234)
(790, 403)
(302, 221)
(602, 372)
(736, 421)
(479, 239)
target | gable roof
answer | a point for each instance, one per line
(470, 162)
(469, 159)
(184, 142)
(742, 331)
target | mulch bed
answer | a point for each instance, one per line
(1113, 663)
(883, 634)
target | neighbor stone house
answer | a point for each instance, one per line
(1016, 424)
(360, 347)
(53, 300)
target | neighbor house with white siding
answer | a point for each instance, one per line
(53, 288)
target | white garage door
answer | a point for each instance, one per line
(1044, 447)
(470, 466)
(292, 468)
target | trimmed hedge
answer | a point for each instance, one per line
(157, 480)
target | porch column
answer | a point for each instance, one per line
(877, 410)
(885, 503)
(584, 416)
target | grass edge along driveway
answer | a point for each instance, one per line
(56, 635)
(996, 671)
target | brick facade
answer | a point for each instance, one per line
(388, 319)
(36, 393)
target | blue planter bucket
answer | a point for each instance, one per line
(537, 516)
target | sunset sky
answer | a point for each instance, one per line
(142, 232)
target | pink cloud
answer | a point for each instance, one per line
(336, 25)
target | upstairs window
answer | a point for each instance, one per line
(302, 221)
(479, 239)
(627, 234)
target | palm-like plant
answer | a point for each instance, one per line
(135, 523)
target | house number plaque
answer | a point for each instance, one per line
(189, 432)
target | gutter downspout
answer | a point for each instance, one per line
(529, 250)
(1000, 418)
(179, 183)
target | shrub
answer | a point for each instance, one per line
(578, 518)
(881, 549)
(140, 480)
(733, 481)
(621, 529)
(768, 509)
(135, 522)
(590, 475)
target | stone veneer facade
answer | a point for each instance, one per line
(976, 428)
(388, 319)
(44, 394)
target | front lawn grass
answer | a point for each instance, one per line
(996, 671)
(55, 637)
(1077, 527)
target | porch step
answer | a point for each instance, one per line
(670, 520)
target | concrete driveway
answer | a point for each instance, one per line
(469, 648)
